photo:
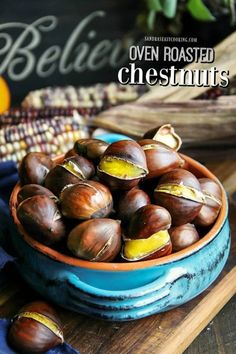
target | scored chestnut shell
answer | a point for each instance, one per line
(71, 171)
(41, 218)
(30, 190)
(180, 193)
(130, 202)
(160, 158)
(35, 329)
(183, 236)
(97, 240)
(213, 202)
(86, 200)
(92, 149)
(123, 165)
(147, 221)
(34, 168)
(155, 246)
(166, 135)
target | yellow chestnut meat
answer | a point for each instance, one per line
(97, 240)
(155, 246)
(123, 165)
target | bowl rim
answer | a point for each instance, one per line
(134, 265)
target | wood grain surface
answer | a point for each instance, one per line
(169, 333)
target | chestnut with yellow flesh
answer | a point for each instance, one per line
(121, 169)
(140, 248)
(179, 191)
(35, 329)
(74, 169)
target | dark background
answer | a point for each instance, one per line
(117, 24)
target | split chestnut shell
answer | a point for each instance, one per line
(213, 202)
(160, 158)
(180, 193)
(41, 218)
(86, 200)
(35, 329)
(147, 221)
(34, 168)
(71, 171)
(97, 240)
(123, 165)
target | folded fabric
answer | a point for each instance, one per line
(5, 349)
(8, 178)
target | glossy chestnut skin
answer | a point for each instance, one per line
(212, 206)
(148, 220)
(26, 335)
(130, 202)
(129, 151)
(92, 149)
(86, 200)
(183, 236)
(41, 218)
(182, 210)
(34, 168)
(97, 240)
(166, 135)
(61, 176)
(30, 190)
(160, 158)
(70, 153)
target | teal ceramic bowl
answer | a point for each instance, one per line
(124, 291)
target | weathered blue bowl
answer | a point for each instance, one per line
(124, 291)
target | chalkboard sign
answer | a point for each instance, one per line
(58, 42)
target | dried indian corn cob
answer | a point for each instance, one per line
(99, 96)
(52, 136)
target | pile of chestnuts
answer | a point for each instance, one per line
(125, 201)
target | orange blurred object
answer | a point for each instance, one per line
(5, 96)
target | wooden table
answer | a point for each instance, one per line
(92, 336)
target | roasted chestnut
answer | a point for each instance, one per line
(130, 202)
(213, 202)
(160, 158)
(183, 236)
(97, 240)
(30, 190)
(92, 149)
(71, 171)
(147, 221)
(35, 329)
(166, 135)
(34, 168)
(123, 165)
(41, 218)
(180, 193)
(155, 246)
(70, 153)
(86, 200)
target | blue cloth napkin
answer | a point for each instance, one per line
(8, 179)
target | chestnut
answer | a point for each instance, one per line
(155, 246)
(97, 240)
(123, 165)
(71, 171)
(166, 135)
(70, 153)
(35, 329)
(130, 202)
(86, 200)
(41, 218)
(30, 190)
(92, 149)
(213, 202)
(147, 221)
(34, 168)
(180, 193)
(183, 236)
(160, 158)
